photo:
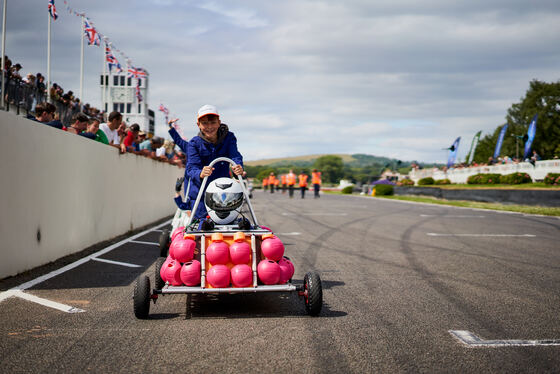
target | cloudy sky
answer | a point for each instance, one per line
(399, 78)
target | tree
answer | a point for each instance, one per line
(331, 168)
(541, 98)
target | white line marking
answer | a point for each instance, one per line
(315, 214)
(484, 235)
(116, 262)
(450, 216)
(45, 302)
(290, 233)
(71, 266)
(471, 340)
(158, 230)
(141, 242)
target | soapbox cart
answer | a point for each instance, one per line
(311, 289)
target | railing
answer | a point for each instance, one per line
(24, 97)
(460, 175)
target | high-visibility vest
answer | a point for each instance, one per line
(272, 180)
(316, 177)
(291, 179)
(302, 180)
(283, 177)
(265, 181)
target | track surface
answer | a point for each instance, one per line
(397, 277)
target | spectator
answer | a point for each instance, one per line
(535, 157)
(110, 129)
(45, 113)
(141, 138)
(148, 147)
(93, 132)
(131, 137)
(79, 123)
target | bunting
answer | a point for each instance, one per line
(165, 111)
(138, 94)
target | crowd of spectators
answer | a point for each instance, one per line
(26, 92)
(64, 111)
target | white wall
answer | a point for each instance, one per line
(76, 191)
(537, 172)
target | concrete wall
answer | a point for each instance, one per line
(547, 198)
(74, 191)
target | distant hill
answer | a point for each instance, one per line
(355, 160)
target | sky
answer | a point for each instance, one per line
(398, 78)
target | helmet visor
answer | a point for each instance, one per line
(223, 201)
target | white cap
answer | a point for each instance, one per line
(207, 109)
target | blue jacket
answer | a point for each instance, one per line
(201, 153)
(183, 144)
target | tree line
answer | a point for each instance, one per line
(541, 98)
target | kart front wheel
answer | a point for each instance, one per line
(142, 297)
(313, 293)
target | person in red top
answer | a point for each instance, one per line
(131, 137)
(291, 181)
(302, 179)
(316, 181)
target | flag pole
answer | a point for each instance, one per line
(103, 81)
(3, 55)
(82, 64)
(49, 60)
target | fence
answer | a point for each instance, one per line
(460, 175)
(24, 97)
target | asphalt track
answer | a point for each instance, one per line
(402, 283)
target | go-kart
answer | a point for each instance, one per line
(205, 271)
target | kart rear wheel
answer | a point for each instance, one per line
(313, 293)
(142, 297)
(164, 243)
(158, 282)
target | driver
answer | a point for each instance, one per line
(213, 140)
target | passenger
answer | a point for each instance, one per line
(213, 140)
(79, 123)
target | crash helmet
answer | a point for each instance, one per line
(223, 199)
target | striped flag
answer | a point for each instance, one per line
(138, 94)
(52, 10)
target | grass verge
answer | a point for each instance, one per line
(527, 209)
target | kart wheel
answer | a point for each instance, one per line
(142, 297)
(164, 243)
(158, 282)
(313, 293)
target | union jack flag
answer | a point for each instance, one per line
(138, 94)
(52, 10)
(163, 109)
(112, 60)
(136, 72)
(91, 34)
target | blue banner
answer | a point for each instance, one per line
(453, 152)
(500, 141)
(530, 136)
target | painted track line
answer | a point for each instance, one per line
(451, 216)
(14, 290)
(471, 340)
(141, 242)
(115, 262)
(484, 235)
(48, 303)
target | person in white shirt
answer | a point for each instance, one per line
(110, 129)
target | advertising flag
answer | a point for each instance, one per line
(500, 141)
(52, 10)
(473, 147)
(530, 136)
(453, 152)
